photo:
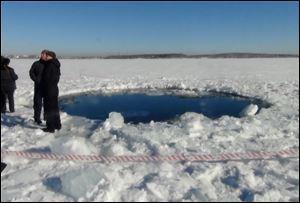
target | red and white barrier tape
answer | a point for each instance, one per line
(289, 153)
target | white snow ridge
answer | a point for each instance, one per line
(275, 80)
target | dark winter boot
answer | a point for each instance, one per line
(48, 130)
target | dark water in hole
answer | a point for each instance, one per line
(143, 108)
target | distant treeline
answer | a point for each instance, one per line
(223, 55)
(170, 56)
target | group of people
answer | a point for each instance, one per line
(46, 74)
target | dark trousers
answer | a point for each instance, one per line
(2, 101)
(10, 96)
(52, 112)
(37, 103)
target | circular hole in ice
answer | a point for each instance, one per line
(159, 105)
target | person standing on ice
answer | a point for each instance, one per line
(2, 94)
(8, 85)
(35, 73)
(2, 100)
(50, 78)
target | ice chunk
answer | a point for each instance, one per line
(250, 110)
(191, 122)
(114, 121)
(78, 184)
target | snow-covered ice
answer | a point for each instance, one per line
(275, 80)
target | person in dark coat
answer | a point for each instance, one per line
(2, 101)
(35, 73)
(2, 94)
(50, 79)
(8, 85)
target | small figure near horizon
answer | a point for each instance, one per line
(8, 85)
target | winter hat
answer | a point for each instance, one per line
(45, 51)
(51, 53)
(5, 61)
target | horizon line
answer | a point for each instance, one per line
(159, 53)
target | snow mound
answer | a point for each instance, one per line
(72, 145)
(250, 110)
(114, 121)
(192, 123)
(78, 184)
(119, 149)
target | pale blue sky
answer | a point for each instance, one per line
(100, 28)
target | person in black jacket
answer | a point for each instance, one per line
(2, 101)
(35, 73)
(8, 85)
(2, 93)
(50, 79)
